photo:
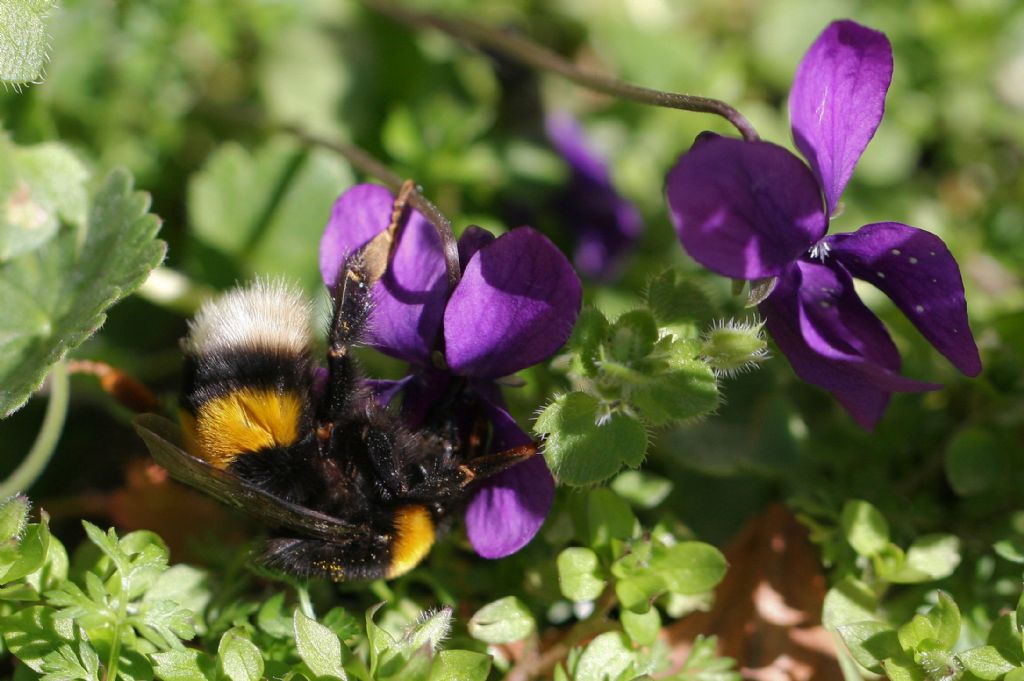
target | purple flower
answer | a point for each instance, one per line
(515, 306)
(749, 210)
(607, 226)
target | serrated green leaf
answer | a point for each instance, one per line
(240, 659)
(56, 296)
(318, 647)
(641, 627)
(23, 39)
(460, 665)
(502, 621)
(679, 304)
(864, 527)
(686, 390)
(581, 451)
(33, 633)
(579, 574)
(703, 663)
(985, 662)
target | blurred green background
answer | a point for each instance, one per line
(168, 89)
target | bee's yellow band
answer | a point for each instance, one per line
(414, 535)
(240, 422)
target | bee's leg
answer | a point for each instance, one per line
(352, 307)
(485, 466)
(362, 558)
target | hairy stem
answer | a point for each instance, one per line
(541, 58)
(33, 465)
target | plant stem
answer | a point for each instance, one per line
(365, 162)
(33, 465)
(541, 58)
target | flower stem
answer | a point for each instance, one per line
(365, 162)
(33, 465)
(541, 58)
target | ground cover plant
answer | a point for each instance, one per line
(766, 335)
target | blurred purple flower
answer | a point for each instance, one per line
(606, 225)
(749, 210)
(515, 306)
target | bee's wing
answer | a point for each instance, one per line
(162, 436)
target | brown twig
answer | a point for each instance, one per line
(541, 58)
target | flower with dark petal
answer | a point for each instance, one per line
(607, 226)
(751, 210)
(514, 307)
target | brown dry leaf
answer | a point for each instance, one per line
(150, 500)
(767, 612)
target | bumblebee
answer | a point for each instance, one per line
(348, 491)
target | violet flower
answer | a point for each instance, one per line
(514, 307)
(749, 210)
(607, 226)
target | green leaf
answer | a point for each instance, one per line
(643, 490)
(703, 663)
(685, 389)
(689, 567)
(870, 643)
(318, 647)
(56, 296)
(580, 574)
(240, 659)
(985, 662)
(605, 658)
(608, 518)
(632, 337)
(272, 620)
(641, 627)
(1010, 549)
(23, 39)
(864, 527)
(379, 639)
(734, 347)
(182, 665)
(588, 335)
(502, 621)
(848, 602)
(679, 304)
(917, 631)
(581, 447)
(903, 668)
(13, 517)
(267, 209)
(936, 555)
(460, 665)
(975, 462)
(33, 633)
(1015, 675)
(945, 619)
(429, 630)
(32, 551)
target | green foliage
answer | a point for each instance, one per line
(56, 296)
(23, 39)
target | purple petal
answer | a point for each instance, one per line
(471, 241)
(833, 341)
(607, 226)
(510, 508)
(837, 101)
(409, 299)
(515, 306)
(916, 270)
(744, 209)
(385, 390)
(420, 392)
